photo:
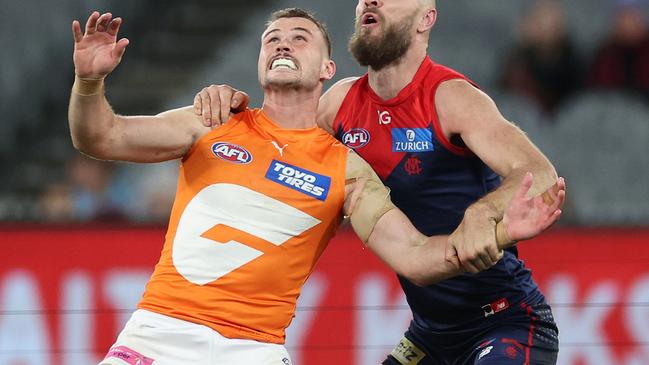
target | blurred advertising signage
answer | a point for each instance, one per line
(66, 292)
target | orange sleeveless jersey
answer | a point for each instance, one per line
(255, 207)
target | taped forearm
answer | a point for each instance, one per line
(87, 87)
(370, 205)
(502, 238)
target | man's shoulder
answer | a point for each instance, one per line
(331, 101)
(346, 83)
(337, 92)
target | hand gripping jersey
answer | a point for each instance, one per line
(433, 181)
(255, 207)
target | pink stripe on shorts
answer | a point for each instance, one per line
(129, 356)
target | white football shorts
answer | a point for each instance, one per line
(150, 338)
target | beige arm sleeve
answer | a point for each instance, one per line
(367, 199)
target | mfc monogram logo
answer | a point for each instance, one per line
(413, 166)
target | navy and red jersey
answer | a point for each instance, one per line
(433, 180)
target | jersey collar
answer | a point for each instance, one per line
(421, 73)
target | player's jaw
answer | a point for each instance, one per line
(378, 42)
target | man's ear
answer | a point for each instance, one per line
(427, 21)
(328, 70)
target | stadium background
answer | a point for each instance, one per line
(69, 278)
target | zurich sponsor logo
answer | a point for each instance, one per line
(412, 140)
(356, 138)
(231, 153)
(304, 181)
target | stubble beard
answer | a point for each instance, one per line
(305, 83)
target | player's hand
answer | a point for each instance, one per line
(473, 243)
(217, 103)
(527, 217)
(97, 51)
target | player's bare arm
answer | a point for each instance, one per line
(468, 112)
(423, 260)
(96, 130)
(388, 232)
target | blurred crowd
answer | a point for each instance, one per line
(101, 191)
(543, 67)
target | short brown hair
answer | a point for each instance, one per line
(301, 13)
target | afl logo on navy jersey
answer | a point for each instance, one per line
(231, 153)
(356, 138)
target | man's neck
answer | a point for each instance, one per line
(292, 109)
(389, 81)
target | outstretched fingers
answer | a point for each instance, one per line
(551, 194)
(240, 101)
(560, 194)
(198, 109)
(206, 104)
(76, 31)
(552, 209)
(91, 23)
(113, 26)
(103, 21)
(559, 190)
(120, 48)
(555, 196)
(551, 220)
(225, 99)
(524, 187)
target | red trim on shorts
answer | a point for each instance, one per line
(530, 335)
(511, 341)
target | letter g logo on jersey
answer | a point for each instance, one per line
(231, 153)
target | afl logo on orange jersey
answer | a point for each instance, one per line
(356, 138)
(231, 153)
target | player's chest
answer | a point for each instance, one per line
(374, 129)
(275, 167)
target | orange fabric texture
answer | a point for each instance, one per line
(255, 207)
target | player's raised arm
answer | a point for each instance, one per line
(96, 130)
(423, 260)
